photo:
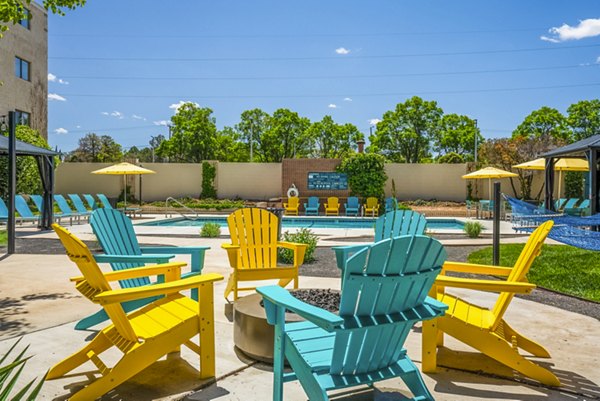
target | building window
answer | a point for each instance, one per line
(22, 117)
(22, 68)
(26, 21)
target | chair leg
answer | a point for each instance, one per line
(414, 381)
(285, 281)
(429, 346)
(231, 284)
(525, 343)
(99, 344)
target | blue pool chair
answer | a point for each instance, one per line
(24, 211)
(391, 204)
(90, 201)
(352, 206)
(79, 206)
(312, 207)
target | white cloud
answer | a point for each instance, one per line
(117, 114)
(342, 50)
(56, 96)
(175, 106)
(587, 28)
(374, 121)
(54, 78)
(136, 117)
(78, 126)
(105, 113)
(598, 60)
(161, 122)
(61, 131)
(332, 106)
(347, 99)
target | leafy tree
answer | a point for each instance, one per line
(252, 126)
(366, 174)
(96, 149)
(451, 158)
(404, 134)
(230, 148)
(331, 140)
(134, 154)
(584, 118)
(286, 137)
(12, 11)
(209, 173)
(545, 122)
(457, 136)
(154, 143)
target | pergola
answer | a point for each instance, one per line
(45, 162)
(587, 148)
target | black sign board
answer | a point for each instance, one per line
(327, 181)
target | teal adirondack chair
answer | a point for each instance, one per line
(312, 206)
(115, 234)
(384, 293)
(24, 211)
(391, 204)
(391, 224)
(352, 206)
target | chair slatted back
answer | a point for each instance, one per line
(38, 201)
(105, 202)
(372, 202)
(293, 202)
(313, 202)
(255, 232)
(399, 222)
(532, 249)
(22, 207)
(63, 205)
(3, 209)
(94, 282)
(78, 203)
(115, 234)
(91, 201)
(352, 202)
(390, 277)
(333, 202)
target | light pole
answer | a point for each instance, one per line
(475, 140)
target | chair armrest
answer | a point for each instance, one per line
(476, 268)
(342, 253)
(277, 297)
(232, 254)
(173, 268)
(149, 258)
(299, 250)
(129, 294)
(484, 285)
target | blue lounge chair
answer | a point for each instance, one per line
(569, 204)
(3, 211)
(65, 209)
(352, 206)
(580, 210)
(90, 201)
(384, 293)
(312, 207)
(391, 204)
(24, 211)
(115, 234)
(104, 200)
(79, 206)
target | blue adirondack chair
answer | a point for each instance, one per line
(79, 206)
(384, 293)
(352, 206)
(90, 201)
(104, 200)
(391, 204)
(115, 234)
(312, 207)
(23, 209)
(389, 225)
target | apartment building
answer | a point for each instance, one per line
(24, 70)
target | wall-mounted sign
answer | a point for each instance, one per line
(327, 181)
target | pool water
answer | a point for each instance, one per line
(303, 222)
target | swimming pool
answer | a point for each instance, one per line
(304, 222)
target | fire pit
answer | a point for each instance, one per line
(253, 335)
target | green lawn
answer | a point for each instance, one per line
(560, 268)
(3, 237)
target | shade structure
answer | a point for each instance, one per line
(489, 173)
(560, 166)
(124, 169)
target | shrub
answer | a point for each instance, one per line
(366, 174)
(210, 230)
(302, 236)
(403, 206)
(209, 172)
(473, 229)
(10, 372)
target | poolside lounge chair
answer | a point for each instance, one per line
(292, 206)
(372, 207)
(104, 201)
(384, 293)
(90, 201)
(312, 206)
(569, 204)
(66, 210)
(485, 329)
(253, 250)
(352, 206)
(580, 210)
(79, 206)
(24, 211)
(4, 213)
(140, 338)
(127, 210)
(391, 204)
(332, 207)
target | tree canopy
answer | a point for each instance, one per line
(13, 11)
(96, 149)
(545, 122)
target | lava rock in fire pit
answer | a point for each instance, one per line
(322, 298)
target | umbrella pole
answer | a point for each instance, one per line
(125, 192)
(559, 180)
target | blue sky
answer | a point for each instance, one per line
(120, 68)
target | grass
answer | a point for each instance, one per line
(3, 237)
(560, 268)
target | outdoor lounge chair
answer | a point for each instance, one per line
(253, 250)
(24, 211)
(118, 240)
(332, 207)
(312, 206)
(485, 329)
(4, 213)
(569, 204)
(580, 210)
(139, 338)
(292, 206)
(66, 210)
(90, 201)
(38, 201)
(352, 206)
(384, 293)
(372, 207)
(104, 200)
(79, 206)
(127, 210)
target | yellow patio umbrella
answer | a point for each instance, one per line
(560, 166)
(489, 173)
(123, 169)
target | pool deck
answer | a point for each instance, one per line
(40, 304)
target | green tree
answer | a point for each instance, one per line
(286, 137)
(331, 140)
(457, 136)
(545, 122)
(366, 174)
(13, 11)
(404, 134)
(584, 118)
(230, 148)
(134, 154)
(252, 126)
(96, 149)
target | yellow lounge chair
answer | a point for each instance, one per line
(332, 207)
(147, 334)
(483, 329)
(253, 250)
(292, 206)
(372, 207)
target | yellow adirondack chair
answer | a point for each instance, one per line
(483, 329)
(372, 207)
(332, 207)
(292, 206)
(253, 250)
(147, 334)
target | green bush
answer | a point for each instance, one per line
(209, 172)
(402, 206)
(366, 174)
(473, 228)
(210, 230)
(302, 236)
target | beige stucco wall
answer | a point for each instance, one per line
(426, 181)
(256, 181)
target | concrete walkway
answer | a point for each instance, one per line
(38, 302)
